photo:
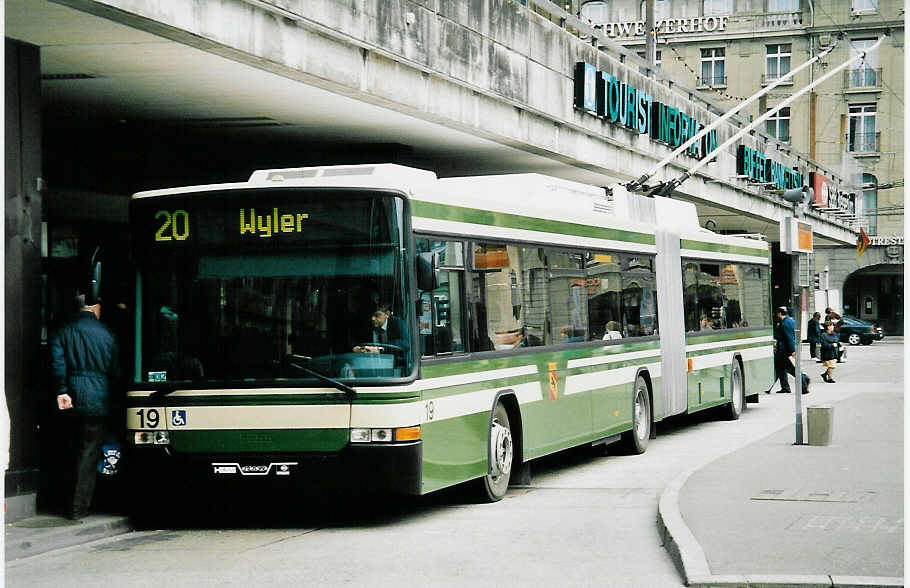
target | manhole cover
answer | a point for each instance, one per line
(815, 495)
(45, 523)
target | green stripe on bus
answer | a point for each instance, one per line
(717, 336)
(728, 348)
(721, 248)
(541, 359)
(515, 221)
(259, 441)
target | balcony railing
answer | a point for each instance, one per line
(863, 78)
(712, 81)
(767, 79)
(864, 142)
(779, 20)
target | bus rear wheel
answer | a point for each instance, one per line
(501, 451)
(636, 440)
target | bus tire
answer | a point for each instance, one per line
(501, 452)
(737, 392)
(635, 441)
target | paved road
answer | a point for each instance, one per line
(586, 520)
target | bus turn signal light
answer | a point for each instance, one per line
(407, 433)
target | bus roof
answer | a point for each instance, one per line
(531, 194)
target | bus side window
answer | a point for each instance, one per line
(604, 293)
(690, 296)
(440, 313)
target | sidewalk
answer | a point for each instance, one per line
(778, 514)
(44, 532)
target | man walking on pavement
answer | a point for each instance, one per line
(84, 365)
(784, 350)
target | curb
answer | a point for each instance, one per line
(37, 543)
(689, 557)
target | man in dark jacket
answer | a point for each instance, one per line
(784, 349)
(84, 364)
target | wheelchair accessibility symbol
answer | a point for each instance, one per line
(178, 418)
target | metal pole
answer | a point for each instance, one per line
(797, 320)
(798, 384)
(650, 34)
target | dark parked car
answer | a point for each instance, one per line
(855, 331)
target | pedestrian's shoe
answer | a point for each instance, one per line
(831, 381)
(808, 383)
(783, 392)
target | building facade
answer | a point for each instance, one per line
(852, 123)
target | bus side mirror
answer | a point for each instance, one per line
(427, 271)
(93, 293)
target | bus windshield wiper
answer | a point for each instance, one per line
(294, 359)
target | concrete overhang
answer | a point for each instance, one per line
(104, 63)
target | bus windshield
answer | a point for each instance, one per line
(248, 285)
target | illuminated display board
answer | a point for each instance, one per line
(261, 219)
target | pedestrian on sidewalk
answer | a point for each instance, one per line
(837, 320)
(84, 365)
(829, 351)
(813, 335)
(785, 352)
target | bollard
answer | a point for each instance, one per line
(820, 421)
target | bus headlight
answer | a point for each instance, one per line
(385, 435)
(151, 438)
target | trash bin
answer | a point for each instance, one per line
(820, 420)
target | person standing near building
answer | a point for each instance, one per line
(784, 350)
(828, 340)
(813, 334)
(84, 365)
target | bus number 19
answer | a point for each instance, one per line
(148, 418)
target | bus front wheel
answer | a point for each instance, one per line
(501, 452)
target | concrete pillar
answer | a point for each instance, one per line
(23, 290)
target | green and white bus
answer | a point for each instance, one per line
(523, 314)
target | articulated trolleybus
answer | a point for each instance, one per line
(374, 327)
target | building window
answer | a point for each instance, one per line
(661, 10)
(863, 73)
(777, 61)
(717, 7)
(862, 136)
(865, 5)
(644, 56)
(783, 5)
(778, 125)
(597, 13)
(712, 67)
(869, 202)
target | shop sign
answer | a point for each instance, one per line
(886, 241)
(605, 96)
(762, 169)
(668, 26)
(827, 198)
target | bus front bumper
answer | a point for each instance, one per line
(389, 468)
